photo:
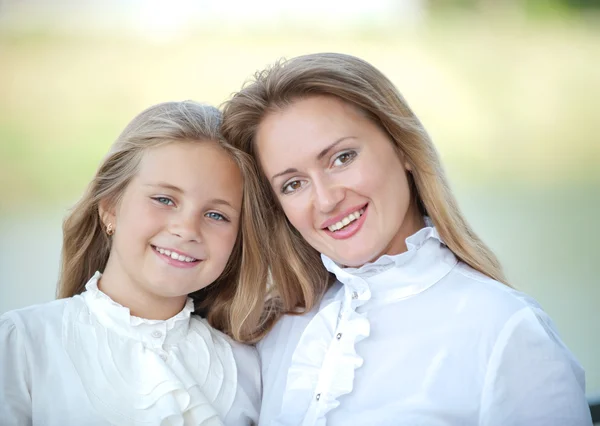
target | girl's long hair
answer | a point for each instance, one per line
(298, 276)
(234, 302)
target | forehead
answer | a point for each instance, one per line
(313, 113)
(312, 116)
(197, 167)
(306, 126)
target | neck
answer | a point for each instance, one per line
(117, 285)
(413, 221)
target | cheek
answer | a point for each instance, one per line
(141, 221)
(147, 220)
(387, 185)
(366, 181)
(396, 192)
(222, 242)
(298, 212)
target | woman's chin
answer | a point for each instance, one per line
(354, 260)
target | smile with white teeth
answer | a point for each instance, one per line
(175, 256)
(346, 221)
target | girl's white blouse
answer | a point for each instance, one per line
(418, 339)
(86, 361)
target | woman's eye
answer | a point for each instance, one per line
(215, 216)
(292, 186)
(165, 200)
(344, 158)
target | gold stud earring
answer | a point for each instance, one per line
(109, 229)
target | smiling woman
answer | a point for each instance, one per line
(328, 197)
(391, 310)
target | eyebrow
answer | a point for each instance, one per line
(221, 202)
(165, 186)
(333, 145)
(320, 156)
(179, 190)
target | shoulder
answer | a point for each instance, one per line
(246, 364)
(509, 315)
(278, 346)
(42, 310)
(24, 331)
(34, 320)
(489, 310)
(288, 329)
(248, 377)
(245, 356)
(487, 296)
(239, 349)
(285, 334)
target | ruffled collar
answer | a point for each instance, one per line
(425, 262)
(132, 378)
(119, 319)
(324, 362)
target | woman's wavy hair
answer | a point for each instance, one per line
(299, 278)
(234, 302)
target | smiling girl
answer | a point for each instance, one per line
(155, 240)
(391, 310)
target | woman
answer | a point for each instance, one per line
(391, 311)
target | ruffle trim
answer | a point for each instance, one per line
(324, 363)
(322, 367)
(130, 384)
(119, 317)
(413, 244)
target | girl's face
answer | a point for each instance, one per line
(177, 222)
(339, 179)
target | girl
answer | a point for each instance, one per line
(162, 219)
(406, 315)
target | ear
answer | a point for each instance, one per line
(407, 166)
(106, 211)
(402, 157)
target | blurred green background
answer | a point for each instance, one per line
(508, 90)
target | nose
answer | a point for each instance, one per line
(327, 194)
(186, 225)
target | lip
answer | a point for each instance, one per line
(351, 229)
(175, 262)
(342, 215)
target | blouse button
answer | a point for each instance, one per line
(318, 396)
(354, 295)
(156, 334)
(163, 357)
(339, 336)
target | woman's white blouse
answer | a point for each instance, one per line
(86, 361)
(420, 339)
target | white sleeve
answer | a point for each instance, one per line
(532, 378)
(15, 408)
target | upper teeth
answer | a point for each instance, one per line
(345, 221)
(174, 255)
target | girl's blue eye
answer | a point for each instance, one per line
(344, 158)
(215, 216)
(165, 200)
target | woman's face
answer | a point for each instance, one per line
(339, 180)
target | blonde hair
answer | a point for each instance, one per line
(299, 278)
(234, 302)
